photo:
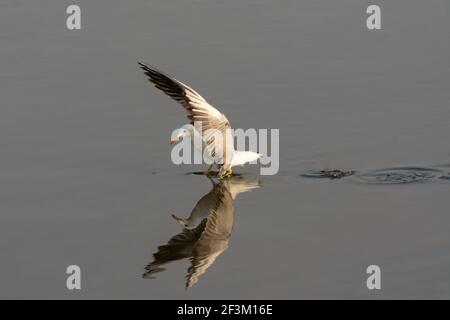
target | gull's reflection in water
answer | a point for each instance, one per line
(206, 231)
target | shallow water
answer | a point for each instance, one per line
(85, 163)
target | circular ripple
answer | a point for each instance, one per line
(399, 175)
(330, 174)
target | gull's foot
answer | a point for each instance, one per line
(228, 174)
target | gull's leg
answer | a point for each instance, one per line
(228, 173)
(225, 173)
(208, 171)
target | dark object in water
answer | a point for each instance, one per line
(399, 175)
(446, 177)
(330, 174)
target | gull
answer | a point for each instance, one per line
(213, 125)
(206, 232)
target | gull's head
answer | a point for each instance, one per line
(178, 135)
(181, 221)
(186, 223)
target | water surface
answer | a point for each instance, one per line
(86, 176)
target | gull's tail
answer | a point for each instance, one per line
(242, 157)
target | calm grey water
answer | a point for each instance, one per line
(85, 169)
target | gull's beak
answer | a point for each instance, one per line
(172, 142)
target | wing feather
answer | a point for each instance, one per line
(207, 120)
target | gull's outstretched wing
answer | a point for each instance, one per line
(207, 120)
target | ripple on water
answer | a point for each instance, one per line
(399, 175)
